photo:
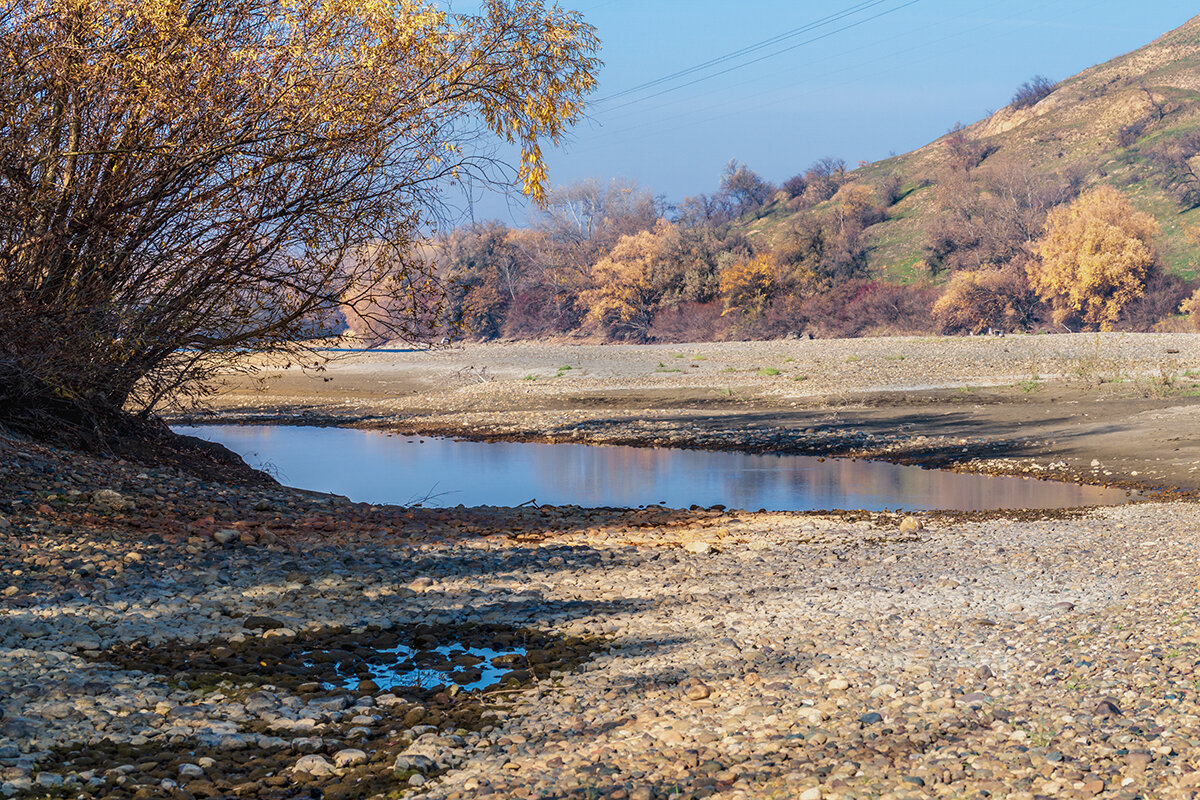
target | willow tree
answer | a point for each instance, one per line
(183, 181)
(1094, 258)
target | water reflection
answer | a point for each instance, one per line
(377, 467)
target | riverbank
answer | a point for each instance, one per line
(157, 630)
(730, 655)
(1092, 408)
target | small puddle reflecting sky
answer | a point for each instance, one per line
(377, 467)
(402, 666)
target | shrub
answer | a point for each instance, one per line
(1160, 300)
(1032, 92)
(975, 300)
(689, 322)
(1191, 307)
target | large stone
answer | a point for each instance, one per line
(314, 765)
(108, 500)
(413, 761)
(349, 757)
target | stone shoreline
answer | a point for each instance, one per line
(744, 655)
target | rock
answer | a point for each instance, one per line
(984, 673)
(191, 771)
(225, 536)
(4, 523)
(368, 686)
(1062, 608)
(911, 524)
(698, 548)
(973, 700)
(698, 692)
(349, 757)
(409, 761)
(313, 765)
(416, 780)
(255, 621)
(871, 718)
(337, 702)
(811, 794)
(259, 702)
(838, 685)
(420, 584)
(10, 591)
(108, 500)
(1138, 761)
(1107, 708)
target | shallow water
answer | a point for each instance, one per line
(378, 467)
(407, 667)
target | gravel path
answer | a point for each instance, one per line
(741, 655)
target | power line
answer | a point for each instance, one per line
(862, 6)
(798, 45)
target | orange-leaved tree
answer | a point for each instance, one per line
(182, 181)
(748, 285)
(1094, 258)
(623, 294)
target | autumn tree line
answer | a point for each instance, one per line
(1009, 248)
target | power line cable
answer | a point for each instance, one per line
(748, 49)
(796, 46)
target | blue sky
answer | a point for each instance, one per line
(884, 84)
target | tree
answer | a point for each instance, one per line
(623, 296)
(992, 215)
(747, 286)
(585, 219)
(1094, 258)
(184, 181)
(745, 189)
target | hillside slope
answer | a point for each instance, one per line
(1114, 123)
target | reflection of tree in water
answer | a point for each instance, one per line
(375, 467)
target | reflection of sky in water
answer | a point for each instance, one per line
(373, 466)
(392, 675)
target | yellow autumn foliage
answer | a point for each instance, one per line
(1094, 258)
(185, 180)
(622, 295)
(747, 286)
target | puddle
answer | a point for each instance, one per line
(402, 667)
(412, 661)
(378, 467)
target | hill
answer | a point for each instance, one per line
(1132, 122)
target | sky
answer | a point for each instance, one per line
(853, 79)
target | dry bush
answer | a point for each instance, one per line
(964, 153)
(1191, 307)
(1161, 299)
(991, 215)
(1032, 92)
(690, 322)
(857, 308)
(976, 300)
